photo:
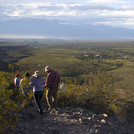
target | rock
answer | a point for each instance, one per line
(80, 120)
(103, 121)
(94, 116)
(96, 131)
(69, 121)
(89, 118)
(105, 115)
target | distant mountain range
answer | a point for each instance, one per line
(58, 29)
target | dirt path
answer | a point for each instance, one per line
(69, 121)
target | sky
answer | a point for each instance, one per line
(115, 13)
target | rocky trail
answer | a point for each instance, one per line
(70, 121)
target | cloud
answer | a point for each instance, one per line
(67, 23)
(121, 22)
(106, 1)
(92, 7)
(72, 13)
(39, 9)
(24, 36)
(53, 10)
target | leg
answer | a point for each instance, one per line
(40, 105)
(49, 98)
(55, 98)
(37, 99)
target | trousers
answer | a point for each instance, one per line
(51, 97)
(37, 98)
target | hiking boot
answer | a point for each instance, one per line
(49, 109)
(53, 111)
(41, 112)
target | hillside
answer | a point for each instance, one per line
(70, 121)
(98, 75)
(72, 59)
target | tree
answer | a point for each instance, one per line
(11, 67)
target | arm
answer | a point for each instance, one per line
(43, 83)
(48, 80)
(21, 86)
(31, 83)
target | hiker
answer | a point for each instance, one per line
(37, 82)
(52, 83)
(16, 84)
(63, 87)
(24, 84)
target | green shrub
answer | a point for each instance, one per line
(10, 104)
(98, 94)
(8, 114)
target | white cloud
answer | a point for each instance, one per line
(124, 22)
(129, 22)
(51, 13)
(60, 9)
(14, 36)
(106, 1)
(40, 9)
(72, 12)
(117, 13)
(23, 36)
(127, 8)
(67, 23)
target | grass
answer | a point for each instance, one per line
(125, 77)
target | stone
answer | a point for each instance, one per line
(103, 121)
(89, 118)
(70, 121)
(105, 115)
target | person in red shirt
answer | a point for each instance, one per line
(52, 83)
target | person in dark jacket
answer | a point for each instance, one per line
(52, 83)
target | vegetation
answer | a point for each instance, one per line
(98, 75)
(10, 104)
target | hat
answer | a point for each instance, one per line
(36, 74)
(47, 69)
(17, 75)
(27, 74)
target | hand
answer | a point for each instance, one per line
(44, 86)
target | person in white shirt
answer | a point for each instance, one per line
(63, 87)
(24, 84)
(16, 84)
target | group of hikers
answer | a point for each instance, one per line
(37, 83)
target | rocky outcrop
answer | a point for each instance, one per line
(70, 121)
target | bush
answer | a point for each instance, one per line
(98, 94)
(10, 104)
(8, 116)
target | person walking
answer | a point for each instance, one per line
(24, 84)
(37, 82)
(16, 84)
(63, 87)
(52, 83)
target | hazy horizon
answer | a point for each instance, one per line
(72, 19)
